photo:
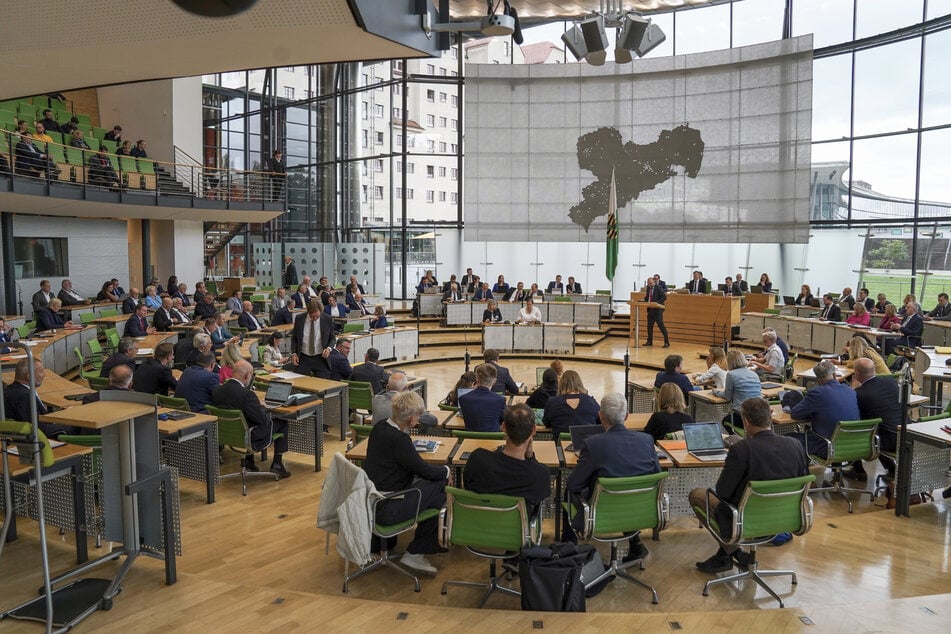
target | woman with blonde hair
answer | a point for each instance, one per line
(716, 369)
(858, 348)
(230, 355)
(859, 316)
(889, 317)
(805, 296)
(379, 319)
(571, 406)
(741, 384)
(671, 412)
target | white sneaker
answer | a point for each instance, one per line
(417, 562)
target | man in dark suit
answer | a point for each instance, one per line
(617, 453)
(68, 296)
(659, 283)
(278, 174)
(911, 328)
(864, 299)
(370, 372)
(504, 378)
(184, 347)
(17, 397)
(218, 331)
(163, 319)
(339, 362)
(556, 285)
(41, 298)
(282, 317)
(120, 378)
(740, 286)
(515, 294)
(355, 302)
(137, 325)
(154, 376)
(394, 465)
(572, 286)
(301, 297)
(129, 303)
(482, 408)
(453, 294)
(124, 355)
(234, 394)
(290, 272)
(877, 398)
(201, 343)
(657, 295)
(697, 285)
(311, 341)
(830, 310)
(205, 307)
(825, 405)
(198, 382)
(847, 298)
(30, 161)
(466, 279)
(762, 455)
(247, 319)
(941, 312)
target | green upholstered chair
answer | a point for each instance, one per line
(619, 509)
(172, 402)
(234, 432)
(495, 527)
(358, 433)
(96, 354)
(82, 364)
(353, 327)
(97, 382)
(361, 399)
(767, 508)
(851, 440)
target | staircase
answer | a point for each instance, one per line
(218, 235)
(168, 185)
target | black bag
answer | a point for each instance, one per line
(790, 399)
(550, 577)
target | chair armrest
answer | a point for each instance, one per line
(734, 523)
(829, 452)
(398, 494)
(442, 531)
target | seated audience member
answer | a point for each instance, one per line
(235, 394)
(152, 299)
(125, 149)
(247, 319)
(6, 335)
(716, 370)
(50, 319)
(556, 285)
(805, 296)
(865, 300)
(42, 297)
(673, 373)
(79, 140)
(515, 294)
(467, 381)
(617, 453)
(49, 122)
(782, 345)
(200, 292)
(154, 376)
(124, 355)
(847, 298)
(137, 325)
(393, 464)
(205, 308)
(771, 360)
(481, 409)
(139, 150)
(671, 413)
(941, 312)
(427, 282)
(727, 286)
(513, 470)
(859, 316)
(889, 317)
(184, 347)
(500, 286)
(115, 134)
(68, 296)
(130, 303)
(697, 284)
(198, 382)
(740, 286)
(67, 128)
(529, 313)
(824, 405)
(230, 356)
(379, 319)
(179, 291)
(877, 397)
(120, 378)
(40, 135)
(909, 298)
(163, 319)
(452, 294)
(18, 398)
(280, 300)
(741, 383)
(911, 328)
(492, 314)
(482, 294)
(359, 305)
(218, 331)
(30, 161)
(534, 292)
(558, 367)
(881, 304)
(301, 297)
(545, 391)
(272, 355)
(370, 372)
(101, 171)
(765, 284)
(830, 310)
(383, 402)
(201, 343)
(761, 455)
(283, 316)
(179, 316)
(858, 347)
(572, 286)
(235, 303)
(334, 309)
(570, 406)
(504, 381)
(339, 360)
(466, 279)
(354, 282)
(108, 292)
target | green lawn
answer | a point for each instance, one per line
(896, 287)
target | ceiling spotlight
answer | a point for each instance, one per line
(491, 24)
(500, 24)
(587, 39)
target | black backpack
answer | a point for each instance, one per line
(550, 576)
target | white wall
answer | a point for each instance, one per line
(186, 127)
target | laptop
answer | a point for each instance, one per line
(580, 433)
(756, 288)
(462, 391)
(277, 394)
(789, 300)
(704, 441)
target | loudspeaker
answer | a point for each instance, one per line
(653, 38)
(632, 30)
(574, 41)
(595, 38)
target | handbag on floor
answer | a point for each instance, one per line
(550, 576)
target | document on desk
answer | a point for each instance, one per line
(288, 375)
(29, 342)
(13, 450)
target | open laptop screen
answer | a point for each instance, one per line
(703, 436)
(278, 391)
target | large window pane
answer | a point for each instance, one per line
(831, 97)
(829, 183)
(829, 20)
(937, 93)
(881, 16)
(935, 167)
(755, 22)
(883, 177)
(886, 88)
(938, 8)
(706, 29)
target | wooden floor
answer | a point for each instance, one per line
(257, 563)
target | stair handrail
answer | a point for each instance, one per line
(185, 171)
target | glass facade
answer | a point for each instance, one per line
(375, 151)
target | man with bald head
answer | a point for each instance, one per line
(130, 303)
(234, 394)
(877, 397)
(163, 319)
(247, 319)
(120, 378)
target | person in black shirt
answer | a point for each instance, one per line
(546, 390)
(154, 376)
(671, 412)
(512, 469)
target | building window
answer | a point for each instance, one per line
(398, 65)
(442, 72)
(431, 145)
(430, 95)
(442, 197)
(379, 138)
(430, 69)
(453, 148)
(452, 53)
(442, 170)
(308, 71)
(396, 113)
(453, 100)
(431, 120)
(378, 192)
(308, 94)
(430, 171)
(363, 168)
(454, 173)
(442, 122)
(364, 194)
(399, 192)
(410, 168)
(364, 80)
(442, 146)
(288, 92)
(366, 138)
(396, 89)
(454, 74)
(399, 166)
(411, 142)
(364, 110)
(453, 197)
(378, 165)
(409, 194)
(453, 124)
(378, 110)
(442, 97)
(399, 140)
(430, 196)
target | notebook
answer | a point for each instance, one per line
(580, 433)
(277, 394)
(704, 441)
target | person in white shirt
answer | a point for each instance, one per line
(69, 297)
(529, 314)
(178, 311)
(771, 361)
(247, 319)
(716, 370)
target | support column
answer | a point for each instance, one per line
(9, 268)
(146, 253)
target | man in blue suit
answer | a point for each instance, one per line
(198, 382)
(825, 405)
(503, 376)
(617, 453)
(340, 368)
(247, 319)
(911, 328)
(482, 408)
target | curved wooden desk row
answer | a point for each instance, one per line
(546, 338)
(807, 333)
(430, 304)
(584, 314)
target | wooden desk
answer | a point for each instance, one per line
(302, 438)
(758, 302)
(54, 389)
(930, 455)
(334, 394)
(441, 456)
(686, 473)
(179, 439)
(116, 321)
(703, 319)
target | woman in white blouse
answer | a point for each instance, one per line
(272, 352)
(716, 372)
(529, 314)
